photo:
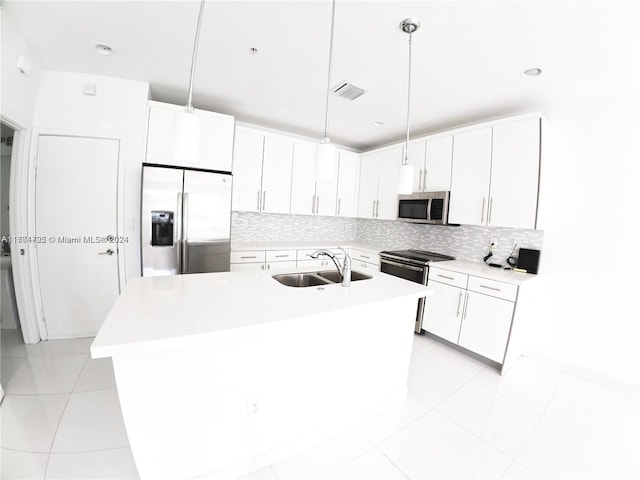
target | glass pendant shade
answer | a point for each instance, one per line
(405, 180)
(186, 139)
(325, 164)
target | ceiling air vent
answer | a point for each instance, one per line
(348, 91)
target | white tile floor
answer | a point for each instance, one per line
(61, 419)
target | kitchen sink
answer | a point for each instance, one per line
(301, 280)
(316, 279)
(335, 277)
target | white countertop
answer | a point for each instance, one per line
(154, 313)
(485, 271)
(243, 246)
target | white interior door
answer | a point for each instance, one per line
(76, 201)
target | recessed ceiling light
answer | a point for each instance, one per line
(531, 72)
(104, 49)
(377, 124)
(253, 50)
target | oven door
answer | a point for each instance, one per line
(400, 269)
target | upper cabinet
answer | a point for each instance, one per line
(210, 148)
(347, 197)
(495, 175)
(308, 196)
(431, 160)
(378, 195)
(262, 166)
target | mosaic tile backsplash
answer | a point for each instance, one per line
(464, 242)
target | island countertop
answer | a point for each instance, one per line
(155, 313)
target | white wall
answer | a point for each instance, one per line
(118, 109)
(589, 314)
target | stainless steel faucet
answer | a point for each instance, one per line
(344, 270)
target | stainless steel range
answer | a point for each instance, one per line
(411, 265)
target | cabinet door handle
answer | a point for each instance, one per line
(484, 201)
(313, 204)
(424, 182)
(365, 256)
(490, 288)
(444, 276)
(338, 212)
(283, 256)
(268, 266)
(466, 307)
(459, 301)
(373, 213)
(264, 196)
(377, 208)
(317, 204)
(420, 182)
(262, 266)
(258, 207)
(250, 256)
(490, 210)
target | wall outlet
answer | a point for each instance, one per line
(253, 406)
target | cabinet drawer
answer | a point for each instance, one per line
(365, 256)
(249, 256)
(281, 255)
(503, 290)
(455, 279)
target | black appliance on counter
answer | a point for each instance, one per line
(411, 265)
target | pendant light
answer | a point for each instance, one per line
(187, 124)
(326, 151)
(405, 179)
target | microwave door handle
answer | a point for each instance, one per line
(429, 208)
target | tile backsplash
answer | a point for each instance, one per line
(464, 242)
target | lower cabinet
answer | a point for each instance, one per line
(473, 312)
(257, 260)
(485, 325)
(364, 260)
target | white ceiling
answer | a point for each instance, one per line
(467, 57)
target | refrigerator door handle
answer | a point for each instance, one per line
(177, 232)
(185, 231)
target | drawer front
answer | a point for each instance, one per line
(503, 290)
(248, 256)
(365, 256)
(247, 267)
(455, 279)
(281, 255)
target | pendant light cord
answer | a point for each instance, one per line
(325, 139)
(406, 147)
(189, 106)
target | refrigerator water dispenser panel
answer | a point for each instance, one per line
(162, 228)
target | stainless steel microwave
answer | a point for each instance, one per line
(427, 207)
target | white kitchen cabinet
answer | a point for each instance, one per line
(276, 175)
(213, 149)
(368, 185)
(515, 167)
(437, 169)
(431, 160)
(262, 260)
(247, 170)
(262, 172)
(444, 311)
(470, 176)
(347, 195)
(495, 174)
(473, 312)
(390, 163)
(485, 325)
(378, 195)
(308, 195)
(417, 152)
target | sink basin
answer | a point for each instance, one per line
(335, 277)
(301, 280)
(315, 279)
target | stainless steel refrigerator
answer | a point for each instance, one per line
(186, 221)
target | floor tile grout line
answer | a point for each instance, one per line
(393, 463)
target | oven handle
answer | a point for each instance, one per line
(403, 265)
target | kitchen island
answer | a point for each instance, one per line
(219, 374)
